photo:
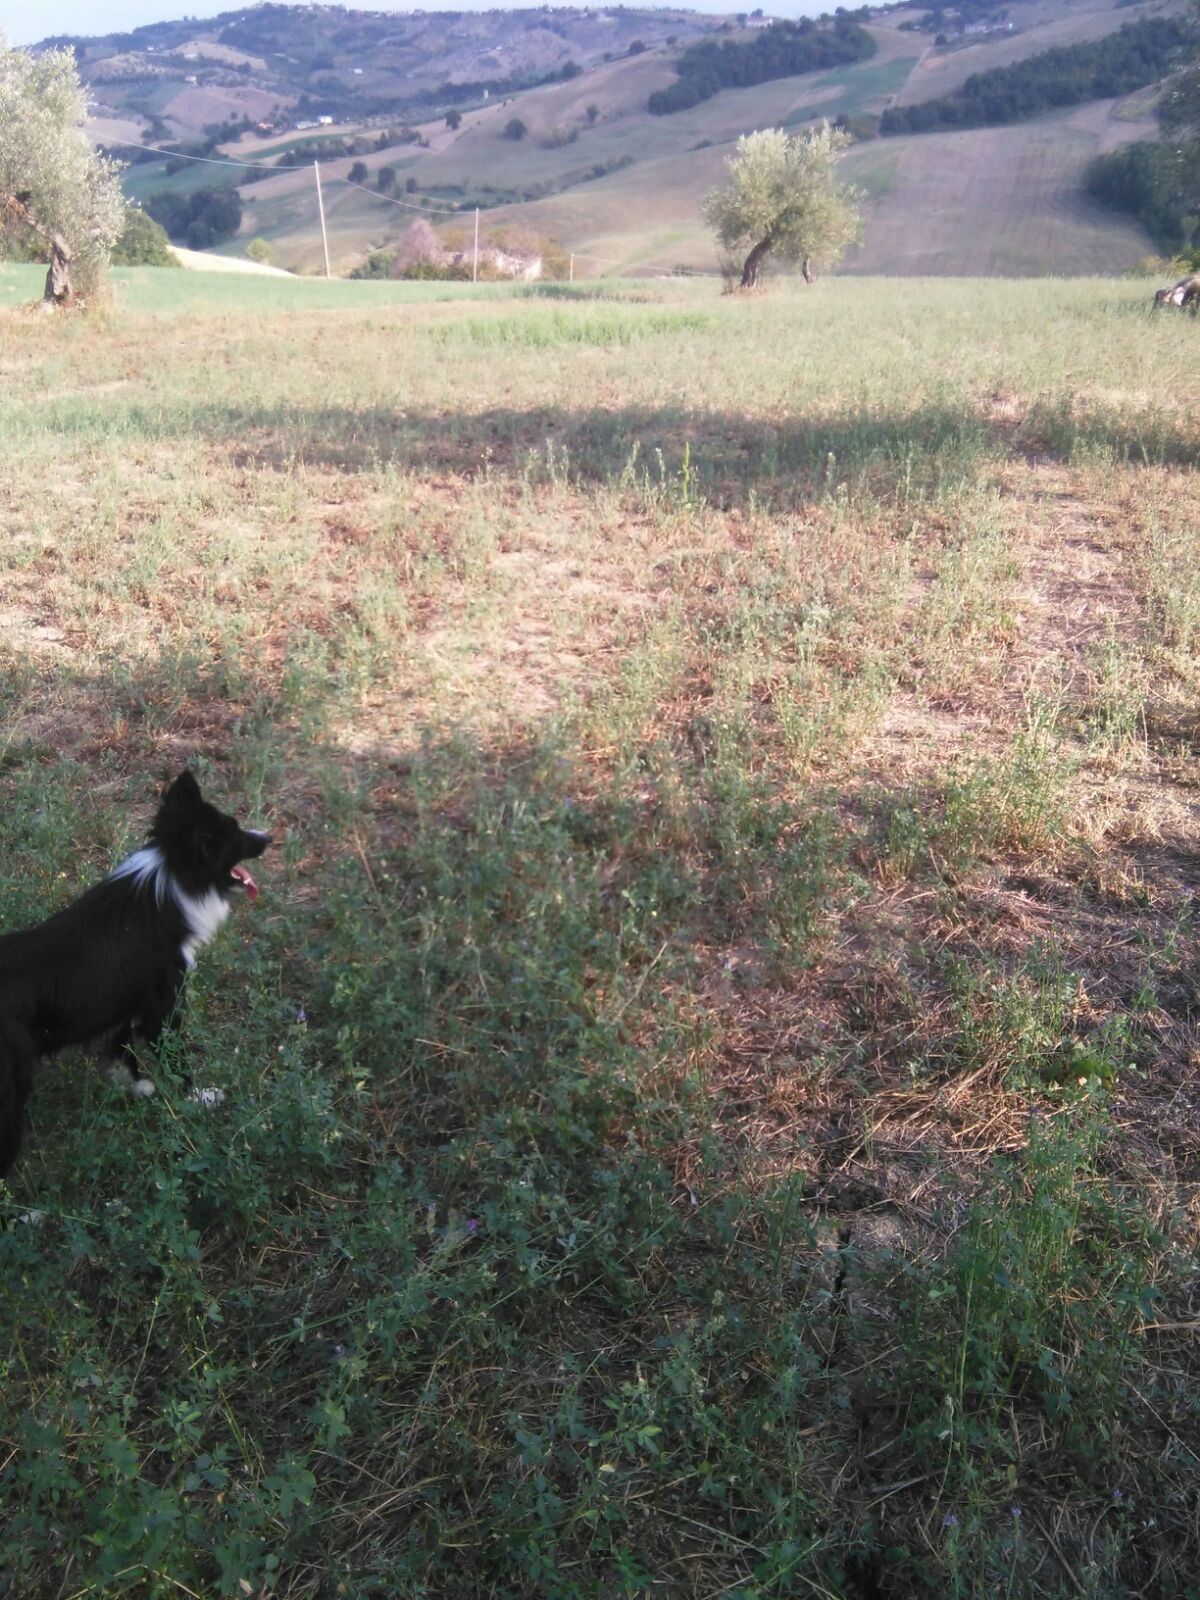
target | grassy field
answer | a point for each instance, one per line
(711, 1072)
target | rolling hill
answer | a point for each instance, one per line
(595, 172)
(279, 61)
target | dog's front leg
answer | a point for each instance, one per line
(123, 1069)
(160, 1006)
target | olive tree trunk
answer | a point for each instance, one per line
(754, 261)
(752, 268)
(58, 289)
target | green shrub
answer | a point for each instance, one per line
(379, 264)
(143, 243)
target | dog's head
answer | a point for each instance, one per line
(202, 847)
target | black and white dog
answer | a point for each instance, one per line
(111, 965)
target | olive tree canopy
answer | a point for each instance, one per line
(52, 183)
(782, 199)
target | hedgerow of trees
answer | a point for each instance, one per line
(1158, 180)
(1152, 181)
(1180, 115)
(781, 51)
(1138, 54)
(200, 219)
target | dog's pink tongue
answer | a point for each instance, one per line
(246, 881)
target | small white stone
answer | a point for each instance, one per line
(207, 1097)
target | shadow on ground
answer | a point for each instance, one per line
(723, 457)
(718, 456)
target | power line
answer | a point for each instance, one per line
(409, 205)
(212, 161)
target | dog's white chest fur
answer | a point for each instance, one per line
(203, 916)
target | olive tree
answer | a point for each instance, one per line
(52, 183)
(782, 199)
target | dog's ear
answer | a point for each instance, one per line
(185, 788)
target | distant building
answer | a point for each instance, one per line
(525, 268)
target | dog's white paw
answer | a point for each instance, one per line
(122, 1078)
(207, 1097)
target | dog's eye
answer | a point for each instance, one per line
(211, 841)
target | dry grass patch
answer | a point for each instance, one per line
(713, 1059)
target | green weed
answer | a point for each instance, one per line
(543, 330)
(1027, 1328)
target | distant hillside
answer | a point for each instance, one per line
(785, 50)
(595, 172)
(284, 63)
(1136, 55)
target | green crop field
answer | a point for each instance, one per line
(711, 1071)
(871, 85)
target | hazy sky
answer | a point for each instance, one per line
(25, 23)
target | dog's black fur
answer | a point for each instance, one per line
(111, 965)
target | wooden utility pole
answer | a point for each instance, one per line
(475, 258)
(321, 209)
